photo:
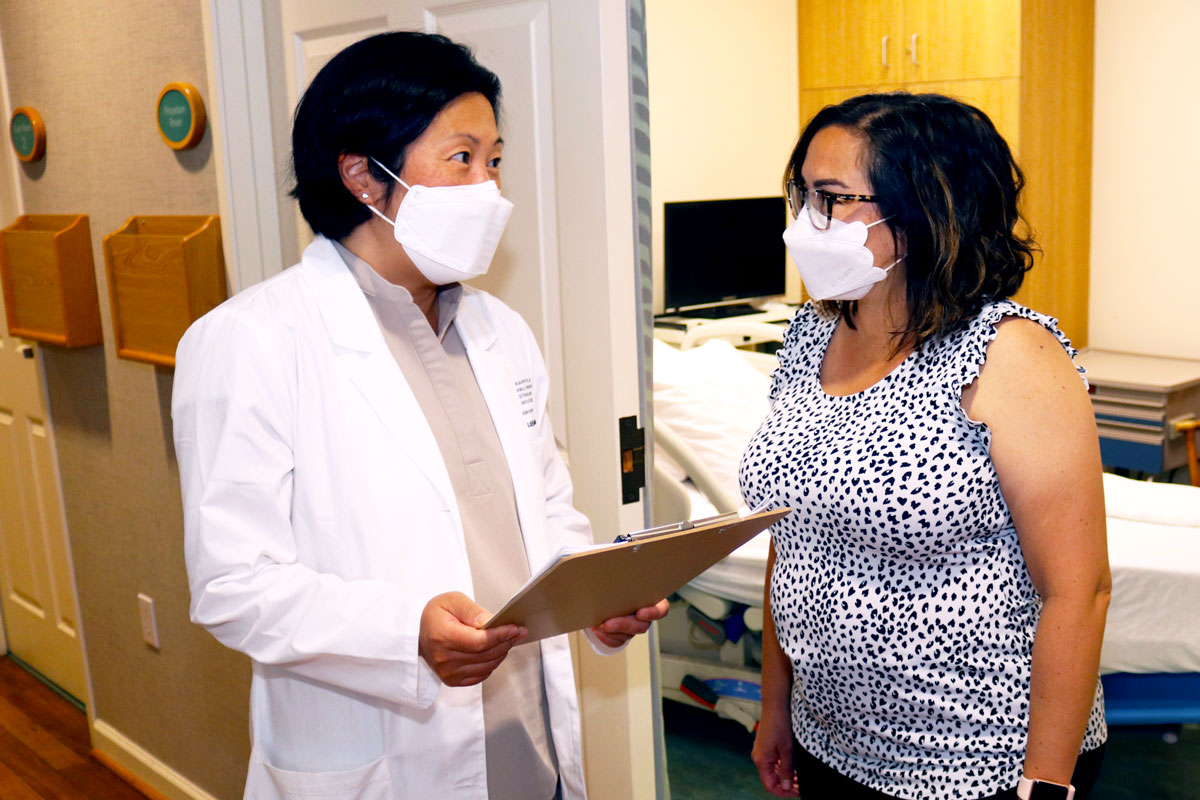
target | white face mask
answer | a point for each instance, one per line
(449, 232)
(834, 264)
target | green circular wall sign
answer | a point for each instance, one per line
(180, 116)
(28, 134)
(174, 116)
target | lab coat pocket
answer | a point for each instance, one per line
(369, 782)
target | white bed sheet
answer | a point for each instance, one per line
(740, 575)
(1153, 619)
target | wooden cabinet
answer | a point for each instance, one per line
(956, 40)
(1026, 63)
(848, 44)
(969, 49)
(885, 42)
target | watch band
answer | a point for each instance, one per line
(1030, 789)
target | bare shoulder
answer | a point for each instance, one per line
(1026, 368)
(1026, 353)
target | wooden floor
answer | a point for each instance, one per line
(44, 745)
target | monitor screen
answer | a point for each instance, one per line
(717, 251)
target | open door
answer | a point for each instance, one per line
(568, 262)
(37, 582)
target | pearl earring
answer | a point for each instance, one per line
(365, 196)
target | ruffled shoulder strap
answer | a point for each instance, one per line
(958, 357)
(803, 346)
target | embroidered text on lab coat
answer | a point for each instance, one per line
(524, 388)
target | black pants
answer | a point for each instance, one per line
(818, 781)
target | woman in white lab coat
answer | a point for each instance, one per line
(333, 426)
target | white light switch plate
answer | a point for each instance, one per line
(149, 626)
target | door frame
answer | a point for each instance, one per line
(236, 52)
(11, 203)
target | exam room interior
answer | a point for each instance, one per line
(724, 116)
(727, 135)
(1143, 288)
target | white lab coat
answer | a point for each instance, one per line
(320, 519)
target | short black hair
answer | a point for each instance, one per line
(948, 185)
(374, 98)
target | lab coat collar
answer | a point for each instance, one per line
(344, 308)
(348, 316)
(474, 327)
(351, 325)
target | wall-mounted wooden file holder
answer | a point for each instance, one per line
(49, 280)
(163, 274)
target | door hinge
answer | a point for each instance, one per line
(633, 459)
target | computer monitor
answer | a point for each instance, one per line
(718, 252)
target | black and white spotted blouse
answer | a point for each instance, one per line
(900, 593)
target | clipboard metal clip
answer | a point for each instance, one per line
(674, 527)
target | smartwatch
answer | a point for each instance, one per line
(1030, 789)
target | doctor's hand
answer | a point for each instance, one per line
(619, 630)
(453, 645)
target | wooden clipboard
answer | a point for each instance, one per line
(584, 589)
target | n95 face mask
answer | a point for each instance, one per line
(449, 232)
(834, 264)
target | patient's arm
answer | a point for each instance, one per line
(773, 743)
(1046, 453)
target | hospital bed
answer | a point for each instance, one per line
(709, 400)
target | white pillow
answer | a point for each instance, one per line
(666, 363)
(1143, 501)
(714, 399)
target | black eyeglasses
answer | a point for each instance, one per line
(820, 203)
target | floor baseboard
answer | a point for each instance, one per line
(139, 768)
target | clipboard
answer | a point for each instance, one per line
(583, 589)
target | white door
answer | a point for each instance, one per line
(37, 589)
(37, 584)
(567, 262)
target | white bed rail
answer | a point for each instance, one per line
(702, 476)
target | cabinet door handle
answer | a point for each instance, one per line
(883, 51)
(914, 49)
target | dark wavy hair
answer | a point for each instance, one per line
(374, 98)
(949, 186)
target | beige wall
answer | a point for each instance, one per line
(724, 104)
(94, 69)
(1145, 281)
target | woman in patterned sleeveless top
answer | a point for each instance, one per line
(937, 598)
